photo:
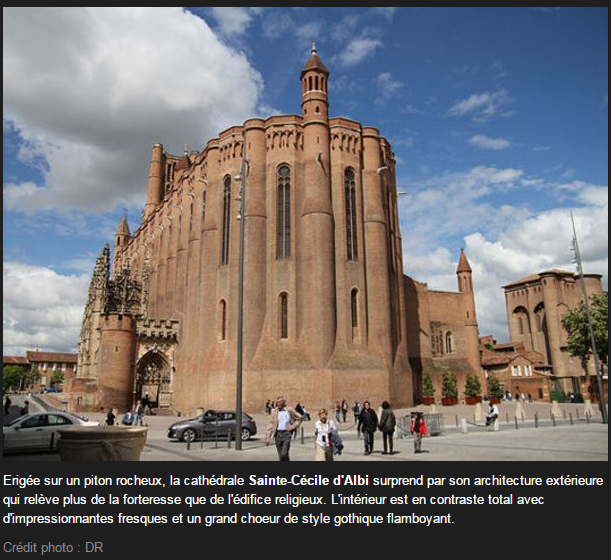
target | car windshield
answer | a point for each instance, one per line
(16, 421)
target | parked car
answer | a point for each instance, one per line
(212, 424)
(36, 430)
(52, 390)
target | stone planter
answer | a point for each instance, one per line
(473, 400)
(428, 400)
(449, 401)
(92, 443)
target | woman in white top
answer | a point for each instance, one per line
(322, 428)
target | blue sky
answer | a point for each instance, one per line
(498, 118)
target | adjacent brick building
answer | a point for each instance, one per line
(328, 311)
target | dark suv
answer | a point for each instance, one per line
(212, 424)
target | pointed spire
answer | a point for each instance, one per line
(123, 228)
(314, 63)
(463, 263)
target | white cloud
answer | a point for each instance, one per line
(92, 96)
(234, 21)
(503, 244)
(358, 50)
(41, 308)
(482, 106)
(387, 12)
(387, 87)
(486, 143)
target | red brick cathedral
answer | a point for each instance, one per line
(328, 311)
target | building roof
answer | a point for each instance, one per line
(463, 263)
(184, 162)
(502, 358)
(537, 277)
(314, 63)
(51, 357)
(14, 360)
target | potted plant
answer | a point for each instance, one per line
(494, 389)
(428, 390)
(449, 389)
(473, 389)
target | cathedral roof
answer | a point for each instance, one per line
(463, 263)
(123, 228)
(314, 63)
(537, 277)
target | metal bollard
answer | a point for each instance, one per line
(577, 412)
(188, 444)
(456, 420)
(587, 417)
(52, 442)
(571, 417)
(506, 418)
(302, 436)
(516, 421)
(564, 414)
(536, 419)
(229, 438)
(554, 420)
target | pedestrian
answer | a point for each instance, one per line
(493, 413)
(128, 418)
(418, 429)
(110, 418)
(25, 408)
(530, 398)
(338, 410)
(368, 420)
(299, 410)
(523, 397)
(7, 404)
(344, 410)
(356, 409)
(322, 430)
(388, 422)
(283, 420)
(138, 413)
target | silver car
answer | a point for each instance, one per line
(39, 430)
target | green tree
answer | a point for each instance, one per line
(473, 387)
(428, 389)
(575, 322)
(494, 387)
(31, 377)
(11, 377)
(57, 378)
(449, 387)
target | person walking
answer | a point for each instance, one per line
(418, 429)
(338, 410)
(25, 408)
(7, 405)
(368, 420)
(322, 430)
(356, 410)
(388, 422)
(282, 421)
(344, 410)
(138, 413)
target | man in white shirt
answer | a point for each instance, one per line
(282, 421)
(493, 414)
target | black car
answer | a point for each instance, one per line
(212, 424)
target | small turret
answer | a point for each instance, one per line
(464, 273)
(314, 88)
(123, 235)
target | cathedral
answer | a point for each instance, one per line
(328, 313)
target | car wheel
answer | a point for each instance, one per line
(189, 435)
(245, 434)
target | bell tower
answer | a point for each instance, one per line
(314, 89)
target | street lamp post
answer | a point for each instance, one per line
(241, 217)
(599, 374)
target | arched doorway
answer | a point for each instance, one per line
(153, 376)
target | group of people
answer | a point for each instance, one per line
(133, 416)
(25, 409)
(507, 397)
(285, 420)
